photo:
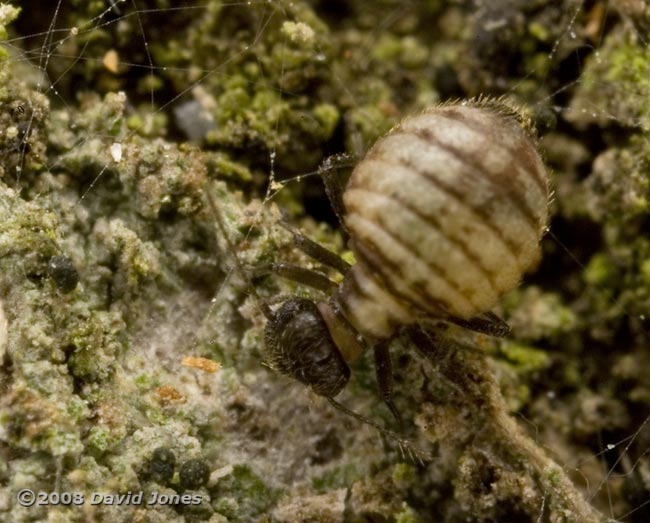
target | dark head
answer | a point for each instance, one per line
(299, 344)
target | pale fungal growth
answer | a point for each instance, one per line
(298, 32)
(116, 152)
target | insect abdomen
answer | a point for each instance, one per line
(448, 209)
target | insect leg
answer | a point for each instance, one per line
(333, 186)
(487, 323)
(440, 352)
(406, 446)
(384, 369)
(309, 277)
(221, 228)
(320, 253)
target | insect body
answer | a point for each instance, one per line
(445, 214)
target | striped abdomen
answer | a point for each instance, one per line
(446, 213)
